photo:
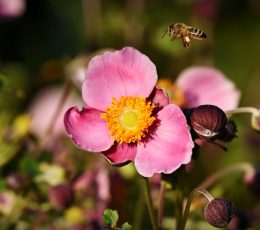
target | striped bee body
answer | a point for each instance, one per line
(180, 30)
(196, 33)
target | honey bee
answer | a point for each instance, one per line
(180, 30)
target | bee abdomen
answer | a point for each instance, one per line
(196, 33)
(203, 34)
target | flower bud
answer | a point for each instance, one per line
(208, 120)
(229, 132)
(253, 182)
(219, 212)
(84, 181)
(255, 120)
(16, 181)
(60, 196)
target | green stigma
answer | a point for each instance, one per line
(129, 119)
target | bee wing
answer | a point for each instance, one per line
(196, 37)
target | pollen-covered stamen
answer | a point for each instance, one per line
(178, 96)
(129, 118)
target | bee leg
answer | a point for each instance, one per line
(187, 44)
(173, 38)
(186, 41)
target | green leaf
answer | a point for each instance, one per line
(7, 152)
(126, 226)
(29, 165)
(2, 183)
(110, 217)
(4, 83)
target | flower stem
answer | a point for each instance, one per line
(195, 192)
(242, 110)
(140, 205)
(178, 208)
(247, 168)
(147, 194)
(161, 205)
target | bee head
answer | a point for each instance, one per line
(170, 28)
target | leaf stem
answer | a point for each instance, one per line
(242, 110)
(178, 208)
(161, 205)
(140, 205)
(245, 167)
(195, 192)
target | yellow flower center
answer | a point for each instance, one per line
(174, 91)
(129, 118)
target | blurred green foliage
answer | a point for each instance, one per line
(36, 47)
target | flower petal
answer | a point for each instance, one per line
(48, 99)
(206, 85)
(87, 129)
(121, 153)
(160, 98)
(168, 147)
(114, 74)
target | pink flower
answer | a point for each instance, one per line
(206, 9)
(126, 118)
(43, 109)
(11, 8)
(206, 85)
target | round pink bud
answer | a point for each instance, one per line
(219, 212)
(16, 181)
(60, 196)
(208, 120)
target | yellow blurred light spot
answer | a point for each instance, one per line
(168, 186)
(74, 215)
(7, 202)
(21, 125)
(51, 174)
(127, 171)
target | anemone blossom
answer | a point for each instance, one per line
(48, 100)
(199, 85)
(126, 118)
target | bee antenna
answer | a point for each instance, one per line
(165, 31)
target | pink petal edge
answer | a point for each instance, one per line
(87, 129)
(160, 98)
(169, 146)
(207, 85)
(121, 153)
(126, 72)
